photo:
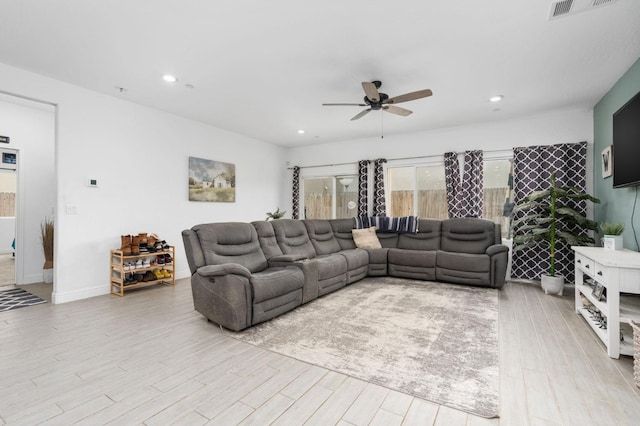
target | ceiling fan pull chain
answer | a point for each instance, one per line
(381, 126)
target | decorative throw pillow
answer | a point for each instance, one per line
(366, 238)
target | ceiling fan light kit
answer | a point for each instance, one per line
(376, 100)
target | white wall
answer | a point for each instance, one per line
(31, 127)
(565, 126)
(140, 158)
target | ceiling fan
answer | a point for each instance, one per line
(376, 100)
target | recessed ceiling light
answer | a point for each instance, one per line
(169, 78)
(496, 98)
(301, 132)
(189, 86)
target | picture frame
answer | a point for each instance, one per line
(598, 291)
(211, 180)
(607, 161)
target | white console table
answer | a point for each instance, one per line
(618, 271)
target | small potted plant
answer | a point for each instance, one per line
(46, 236)
(612, 235)
(550, 219)
(275, 215)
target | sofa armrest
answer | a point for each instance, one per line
(225, 269)
(288, 257)
(496, 248)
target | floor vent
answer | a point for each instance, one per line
(569, 7)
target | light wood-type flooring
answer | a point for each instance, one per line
(149, 358)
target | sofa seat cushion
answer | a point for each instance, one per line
(275, 282)
(463, 261)
(412, 264)
(419, 258)
(355, 258)
(357, 264)
(331, 265)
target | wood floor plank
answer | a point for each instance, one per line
(421, 413)
(304, 407)
(397, 403)
(191, 419)
(365, 407)
(214, 406)
(513, 401)
(80, 412)
(386, 418)
(269, 411)
(289, 371)
(305, 381)
(233, 414)
(334, 408)
(448, 416)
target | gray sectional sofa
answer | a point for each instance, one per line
(247, 273)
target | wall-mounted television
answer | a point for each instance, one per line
(626, 144)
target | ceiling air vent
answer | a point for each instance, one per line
(570, 7)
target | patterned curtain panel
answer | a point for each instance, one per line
(363, 188)
(379, 202)
(452, 181)
(472, 185)
(295, 193)
(532, 169)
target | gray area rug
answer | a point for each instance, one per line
(435, 341)
(17, 298)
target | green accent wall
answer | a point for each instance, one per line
(617, 204)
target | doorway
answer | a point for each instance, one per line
(8, 189)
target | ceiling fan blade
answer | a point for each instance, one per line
(409, 96)
(371, 91)
(361, 114)
(397, 110)
(338, 104)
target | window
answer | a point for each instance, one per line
(420, 190)
(417, 191)
(330, 197)
(498, 184)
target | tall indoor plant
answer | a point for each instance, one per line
(548, 219)
(46, 236)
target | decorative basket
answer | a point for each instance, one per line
(636, 352)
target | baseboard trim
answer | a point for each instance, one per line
(84, 293)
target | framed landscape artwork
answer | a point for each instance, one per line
(211, 180)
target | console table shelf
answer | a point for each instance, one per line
(619, 272)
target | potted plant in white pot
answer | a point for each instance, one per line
(612, 235)
(550, 219)
(46, 236)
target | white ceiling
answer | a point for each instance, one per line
(263, 68)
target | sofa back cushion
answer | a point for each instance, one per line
(427, 237)
(267, 238)
(321, 236)
(231, 242)
(292, 237)
(388, 239)
(342, 231)
(467, 235)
